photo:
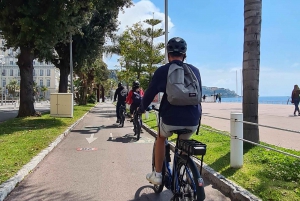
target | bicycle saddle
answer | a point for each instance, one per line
(181, 131)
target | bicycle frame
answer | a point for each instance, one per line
(170, 175)
(137, 120)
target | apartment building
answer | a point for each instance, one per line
(44, 74)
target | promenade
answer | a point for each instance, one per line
(275, 115)
(98, 161)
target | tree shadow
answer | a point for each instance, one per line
(108, 115)
(35, 123)
(32, 192)
(89, 130)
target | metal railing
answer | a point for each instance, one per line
(236, 135)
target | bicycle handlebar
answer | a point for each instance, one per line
(152, 107)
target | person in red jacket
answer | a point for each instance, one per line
(134, 97)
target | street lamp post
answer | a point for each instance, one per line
(71, 65)
(166, 30)
(2, 62)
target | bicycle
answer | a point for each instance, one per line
(184, 187)
(122, 113)
(137, 124)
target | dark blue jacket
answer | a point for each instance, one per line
(171, 114)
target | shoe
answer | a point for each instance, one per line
(295, 114)
(131, 120)
(154, 178)
(118, 121)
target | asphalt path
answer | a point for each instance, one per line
(98, 161)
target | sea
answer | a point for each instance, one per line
(262, 100)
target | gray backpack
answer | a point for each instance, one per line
(183, 86)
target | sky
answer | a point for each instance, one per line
(214, 34)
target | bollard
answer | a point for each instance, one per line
(147, 115)
(236, 146)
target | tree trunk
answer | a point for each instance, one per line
(25, 63)
(98, 93)
(251, 62)
(63, 80)
(83, 93)
(102, 92)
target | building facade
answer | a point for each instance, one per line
(44, 74)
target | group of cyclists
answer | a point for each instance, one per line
(172, 117)
(133, 98)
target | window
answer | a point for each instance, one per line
(41, 83)
(41, 72)
(48, 72)
(4, 83)
(11, 72)
(48, 83)
(11, 62)
(19, 72)
(19, 82)
(33, 62)
(33, 72)
(4, 72)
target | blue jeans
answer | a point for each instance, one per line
(296, 103)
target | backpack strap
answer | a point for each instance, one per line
(198, 126)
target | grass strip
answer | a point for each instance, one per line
(23, 138)
(267, 174)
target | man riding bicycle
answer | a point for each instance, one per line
(134, 97)
(172, 117)
(121, 92)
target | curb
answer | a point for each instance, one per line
(10, 184)
(234, 191)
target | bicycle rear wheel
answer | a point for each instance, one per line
(122, 115)
(158, 188)
(188, 184)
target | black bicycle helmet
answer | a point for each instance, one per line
(136, 84)
(177, 44)
(120, 84)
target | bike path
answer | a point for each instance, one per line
(97, 161)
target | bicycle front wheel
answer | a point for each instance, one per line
(188, 184)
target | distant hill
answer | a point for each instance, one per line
(225, 93)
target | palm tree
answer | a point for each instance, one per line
(251, 62)
(12, 87)
(43, 90)
(36, 91)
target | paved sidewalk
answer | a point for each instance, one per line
(275, 115)
(97, 161)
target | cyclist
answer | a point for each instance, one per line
(122, 93)
(134, 97)
(172, 117)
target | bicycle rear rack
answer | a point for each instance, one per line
(192, 147)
